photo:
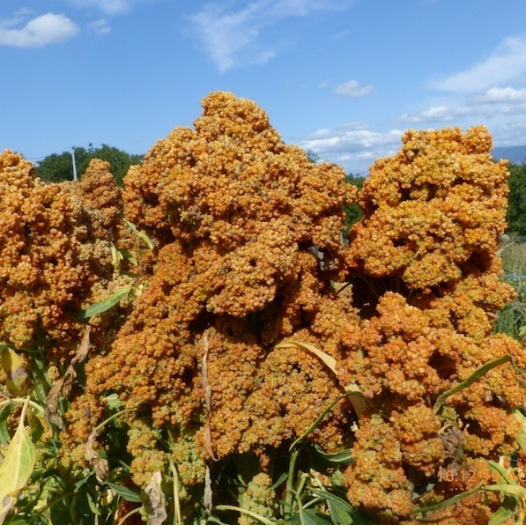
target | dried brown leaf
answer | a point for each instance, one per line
(62, 387)
(156, 503)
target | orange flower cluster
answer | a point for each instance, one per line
(248, 231)
(433, 217)
(247, 255)
(55, 246)
(439, 202)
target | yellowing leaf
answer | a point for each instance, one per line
(14, 367)
(353, 391)
(328, 360)
(17, 466)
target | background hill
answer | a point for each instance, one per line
(515, 154)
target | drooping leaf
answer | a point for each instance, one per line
(508, 489)
(62, 387)
(357, 399)
(328, 360)
(156, 503)
(141, 234)
(17, 466)
(481, 371)
(100, 465)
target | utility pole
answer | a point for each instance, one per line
(74, 164)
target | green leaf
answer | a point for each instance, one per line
(341, 511)
(113, 402)
(342, 457)
(471, 379)
(103, 306)
(506, 510)
(310, 517)
(282, 478)
(4, 432)
(449, 502)
(126, 254)
(521, 438)
(141, 234)
(128, 494)
(501, 470)
(17, 466)
(513, 490)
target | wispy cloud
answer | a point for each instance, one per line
(506, 63)
(353, 89)
(353, 145)
(501, 96)
(46, 29)
(512, 133)
(99, 27)
(492, 103)
(233, 37)
(442, 113)
(110, 7)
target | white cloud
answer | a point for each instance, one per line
(99, 27)
(353, 89)
(40, 31)
(511, 133)
(232, 37)
(492, 103)
(506, 63)
(501, 95)
(353, 146)
(440, 113)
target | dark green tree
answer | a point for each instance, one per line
(516, 215)
(353, 213)
(59, 167)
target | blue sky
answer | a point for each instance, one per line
(343, 78)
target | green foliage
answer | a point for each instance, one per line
(511, 320)
(353, 213)
(516, 216)
(59, 167)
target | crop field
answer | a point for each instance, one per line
(204, 346)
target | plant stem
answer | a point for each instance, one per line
(289, 489)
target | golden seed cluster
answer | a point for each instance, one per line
(55, 249)
(247, 254)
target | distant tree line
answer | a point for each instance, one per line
(516, 215)
(59, 167)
